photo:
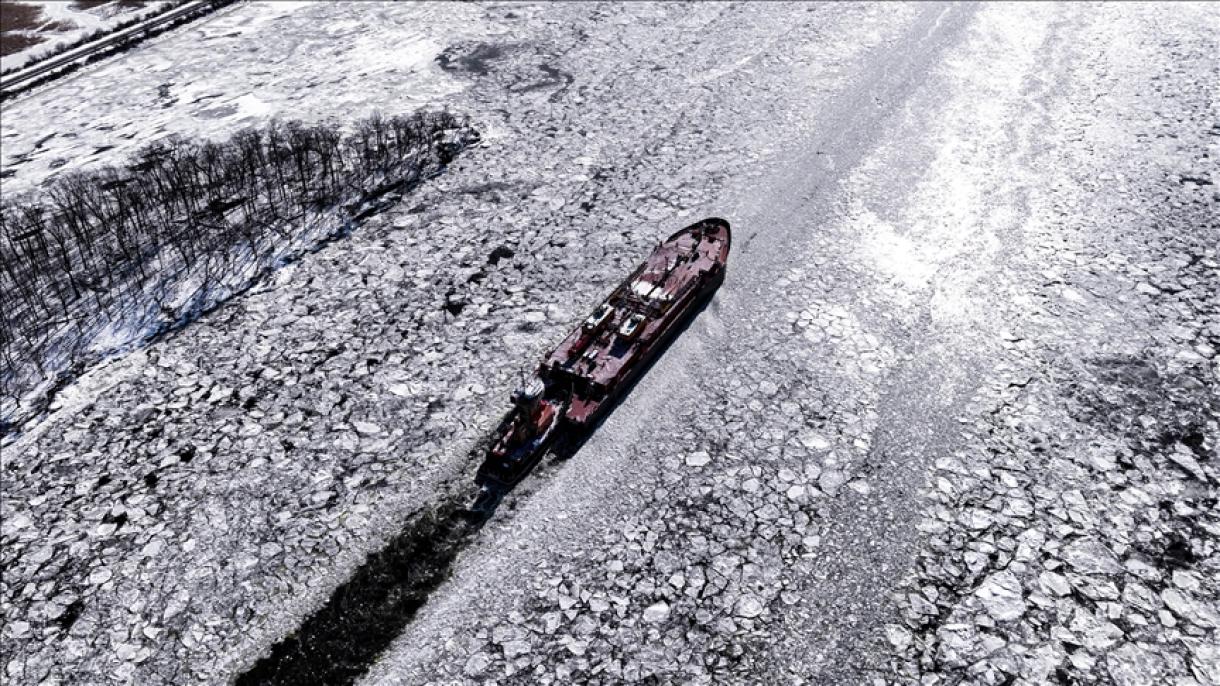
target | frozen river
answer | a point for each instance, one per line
(951, 419)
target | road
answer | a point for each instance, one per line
(952, 417)
(21, 79)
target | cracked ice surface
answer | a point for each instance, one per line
(971, 317)
(951, 419)
(189, 503)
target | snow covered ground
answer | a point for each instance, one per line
(237, 68)
(62, 22)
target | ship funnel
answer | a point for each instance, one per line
(530, 392)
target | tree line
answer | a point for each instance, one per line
(94, 245)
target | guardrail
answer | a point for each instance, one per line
(45, 69)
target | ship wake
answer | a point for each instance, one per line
(338, 643)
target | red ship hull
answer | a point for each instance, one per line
(580, 381)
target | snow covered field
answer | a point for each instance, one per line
(243, 65)
(48, 24)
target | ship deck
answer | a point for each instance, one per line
(601, 352)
